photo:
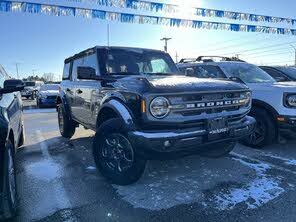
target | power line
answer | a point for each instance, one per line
(265, 55)
(270, 50)
(264, 47)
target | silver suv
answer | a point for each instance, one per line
(274, 103)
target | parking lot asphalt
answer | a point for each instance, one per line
(58, 181)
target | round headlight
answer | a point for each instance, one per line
(291, 100)
(159, 107)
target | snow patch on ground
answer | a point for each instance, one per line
(287, 161)
(255, 194)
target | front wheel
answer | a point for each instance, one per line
(66, 125)
(115, 155)
(9, 186)
(218, 150)
(265, 131)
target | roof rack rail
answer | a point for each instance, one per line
(211, 59)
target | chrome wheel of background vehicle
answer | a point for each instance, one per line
(117, 153)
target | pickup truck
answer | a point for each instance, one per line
(141, 107)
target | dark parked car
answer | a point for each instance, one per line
(11, 137)
(142, 108)
(47, 95)
(281, 73)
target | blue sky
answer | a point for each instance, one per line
(41, 43)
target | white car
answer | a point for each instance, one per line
(274, 103)
(47, 95)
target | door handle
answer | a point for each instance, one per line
(79, 91)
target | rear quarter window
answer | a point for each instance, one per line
(66, 72)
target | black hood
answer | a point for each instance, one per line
(171, 84)
(184, 83)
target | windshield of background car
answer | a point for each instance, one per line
(247, 72)
(289, 71)
(126, 62)
(49, 87)
(29, 83)
(206, 71)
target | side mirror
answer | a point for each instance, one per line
(12, 85)
(189, 72)
(86, 72)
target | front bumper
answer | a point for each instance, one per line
(159, 145)
(287, 125)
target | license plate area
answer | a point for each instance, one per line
(217, 126)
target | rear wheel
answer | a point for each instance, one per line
(218, 150)
(66, 125)
(22, 137)
(265, 130)
(115, 155)
(9, 186)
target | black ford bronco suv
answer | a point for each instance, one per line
(141, 107)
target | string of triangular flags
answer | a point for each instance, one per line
(135, 18)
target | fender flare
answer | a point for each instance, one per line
(63, 100)
(266, 106)
(121, 110)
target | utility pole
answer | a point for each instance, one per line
(177, 56)
(165, 43)
(17, 69)
(294, 53)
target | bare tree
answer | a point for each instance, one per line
(49, 77)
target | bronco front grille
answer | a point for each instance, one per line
(197, 104)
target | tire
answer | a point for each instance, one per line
(218, 150)
(9, 183)
(66, 125)
(114, 154)
(22, 137)
(27, 97)
(265, 131)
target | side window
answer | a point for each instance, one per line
(208, 72)
(275, 74)
(89, 61)
(66, 72)
(159, 65)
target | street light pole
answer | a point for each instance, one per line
(165, 43)
(17, 69)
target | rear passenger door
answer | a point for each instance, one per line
(86, 91)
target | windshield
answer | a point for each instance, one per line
(128, 62)
(49, 87)
(289, 71)
(29, 83)
(247, 72)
